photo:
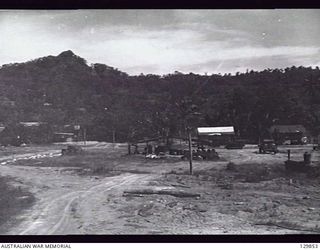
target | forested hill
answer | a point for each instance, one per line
(64, 89)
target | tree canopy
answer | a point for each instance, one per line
(64, 89)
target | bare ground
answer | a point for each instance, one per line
(13, 200)
(88, 194)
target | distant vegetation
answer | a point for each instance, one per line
(64, 89)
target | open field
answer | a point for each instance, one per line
(105, 191)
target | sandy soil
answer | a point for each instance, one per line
(256, 196)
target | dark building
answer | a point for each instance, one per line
(288, 134)
(63, 137)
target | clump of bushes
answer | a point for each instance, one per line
(231, 166)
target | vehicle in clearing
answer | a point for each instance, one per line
(268, 146)
(316, 143)
(316, 147)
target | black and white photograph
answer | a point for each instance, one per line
(159, 122)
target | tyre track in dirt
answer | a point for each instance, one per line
(117, 182)
(56, 218)
(52, 211)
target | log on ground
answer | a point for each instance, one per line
(176, 193)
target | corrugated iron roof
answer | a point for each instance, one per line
(215, 130)
(31, 124)
(288, 129)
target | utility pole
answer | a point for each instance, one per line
(190, 150)
(85, 136)
(113, 136)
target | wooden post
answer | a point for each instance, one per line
(259, 130)
(85, 136)
(190, 151)
(289, 154)
(113, 136)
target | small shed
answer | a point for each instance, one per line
(26, 132)
(216, 135)
(150, 145)
(9, 136)
(63, 137)
(291, 134)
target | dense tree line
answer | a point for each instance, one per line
(110, 104)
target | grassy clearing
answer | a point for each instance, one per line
(11, 151)
(86, 162)
(102, 161)
(12, 201)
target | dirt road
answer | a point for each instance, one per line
(61, 196)
(59, 216)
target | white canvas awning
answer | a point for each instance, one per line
(216, 130)
(31, 124)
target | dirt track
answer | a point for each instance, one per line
(60, 195)
(68, 203)
(59, 216)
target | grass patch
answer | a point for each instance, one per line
(231, 173)
(88, 162)
(11, 150)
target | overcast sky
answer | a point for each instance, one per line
(164, 41)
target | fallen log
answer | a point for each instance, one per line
(180, 185)
(133, 195)
(176, 193)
